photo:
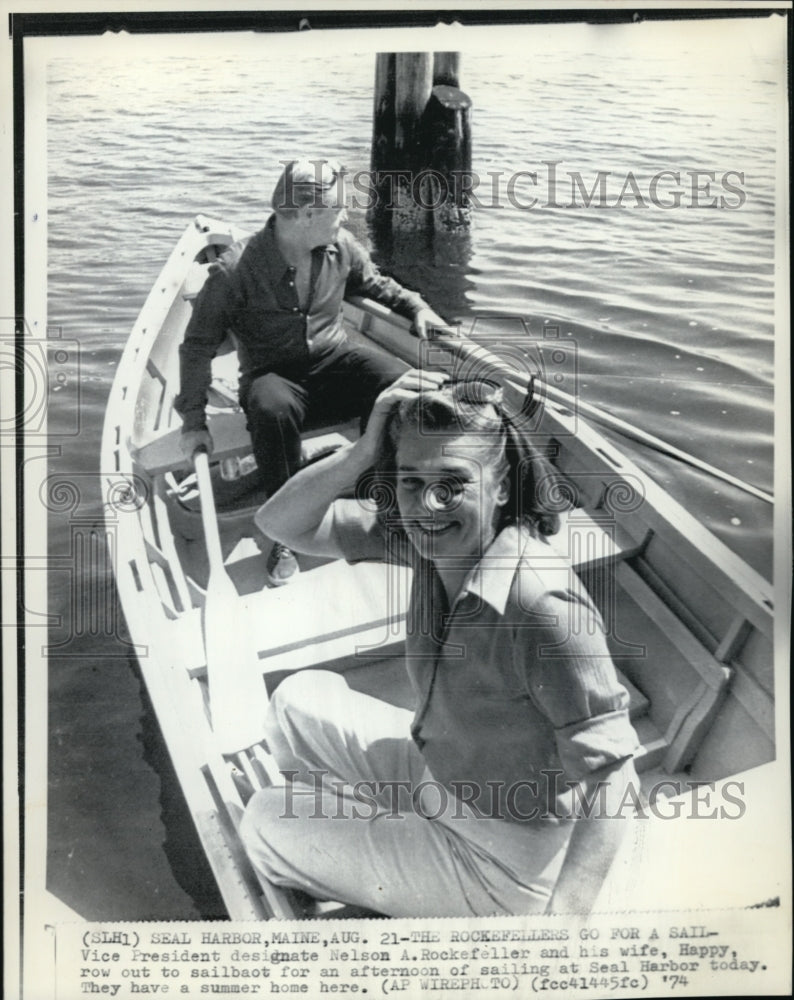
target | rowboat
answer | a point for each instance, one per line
(690, 625)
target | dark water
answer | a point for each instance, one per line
(669, 313)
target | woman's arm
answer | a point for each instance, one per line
(299, 513)
(596, 836)
(572, 680)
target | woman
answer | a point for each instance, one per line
(468, 805)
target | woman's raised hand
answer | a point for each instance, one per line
(407, 386)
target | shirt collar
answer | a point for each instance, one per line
(271, 254)
(492, 578)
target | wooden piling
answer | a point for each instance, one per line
(445, 139)
(445, 131)
(421, 141)
(383, 123)
(446, 69)
(413, 83)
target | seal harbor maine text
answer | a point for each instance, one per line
(376, 958)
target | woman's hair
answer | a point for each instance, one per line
(537, 491)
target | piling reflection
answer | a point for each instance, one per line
(437, 262)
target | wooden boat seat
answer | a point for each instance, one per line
(162, 453)
(361, 606)
(358, 615)
(683, 682)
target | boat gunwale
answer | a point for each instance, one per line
(169, 685)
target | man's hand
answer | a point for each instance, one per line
(427, 321)
(192, 441)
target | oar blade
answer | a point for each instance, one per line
(238, 697)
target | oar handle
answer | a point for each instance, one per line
(209, 517)
(651, 441)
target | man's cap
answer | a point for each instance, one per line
(308, 182)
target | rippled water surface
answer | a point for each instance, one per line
(668, 310)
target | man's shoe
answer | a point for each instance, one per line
(281, 566)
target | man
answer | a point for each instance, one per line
(280, 293)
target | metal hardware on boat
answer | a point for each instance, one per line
(234, 467)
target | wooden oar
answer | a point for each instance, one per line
(628, 430)
(238, 697)
(473, 351)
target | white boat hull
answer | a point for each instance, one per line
(690, 623)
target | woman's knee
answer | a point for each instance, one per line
(300, 702)
(307, 692)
